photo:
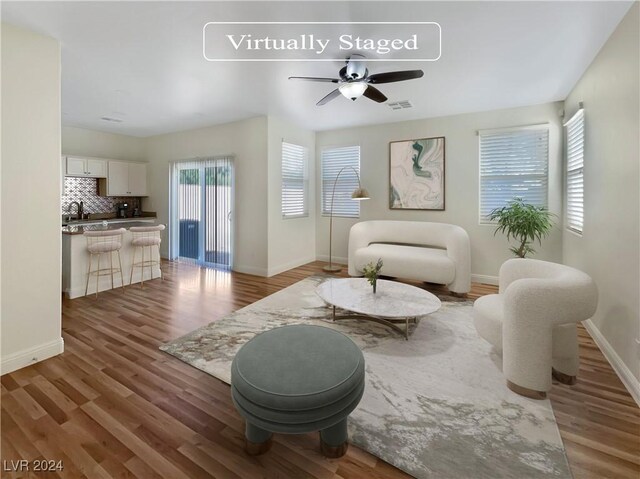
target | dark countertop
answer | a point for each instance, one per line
(79, 229)
(107, 217)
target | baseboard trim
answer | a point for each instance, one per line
(105, 285)
(624, 373)
(289, 265)
(485, 279)
(250, 270)
(30, 356)
(335, 259)
(476, 278)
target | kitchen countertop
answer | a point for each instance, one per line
(110, 219)
(78, 229)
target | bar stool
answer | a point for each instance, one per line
(104, 242)
(146, 236)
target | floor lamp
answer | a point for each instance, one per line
(359, 194)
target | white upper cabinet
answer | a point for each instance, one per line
(76, 166)
(137, 179)
(125, 179)
(97, 168)
(118, 179)
(90, 167)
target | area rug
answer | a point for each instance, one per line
(435, 406)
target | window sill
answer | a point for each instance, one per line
(327, 215)
(577, 233)
(487, 223)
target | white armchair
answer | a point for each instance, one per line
(532, 322)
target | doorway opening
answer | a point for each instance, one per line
(202, 193)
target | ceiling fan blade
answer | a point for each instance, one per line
(334, 94)
(324, 80)
(374, 94)
(391, 77)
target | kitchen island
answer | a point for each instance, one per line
(75, 257)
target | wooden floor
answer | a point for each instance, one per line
(113, 405)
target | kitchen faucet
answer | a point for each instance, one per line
(80, 208)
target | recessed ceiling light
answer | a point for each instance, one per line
(400, 105)
(112, 120)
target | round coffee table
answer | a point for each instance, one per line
(392, 303)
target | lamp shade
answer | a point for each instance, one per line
(353, 90)
(360, 194)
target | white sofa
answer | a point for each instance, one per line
(431, 252)
(532, 322)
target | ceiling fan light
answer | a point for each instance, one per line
(353, 90)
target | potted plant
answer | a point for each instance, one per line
(524, 223)
(372, 272)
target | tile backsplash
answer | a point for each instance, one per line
(86, 190)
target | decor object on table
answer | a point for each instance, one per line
(371, 272)
(359, 194)
(355, 81)
(532, 322)
(432, 252)
(398, 303)
(416, 174)
(422, 399)
(523, 222)
(297, 379)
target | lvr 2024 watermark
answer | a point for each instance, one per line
(37, 465)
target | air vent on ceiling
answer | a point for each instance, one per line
(113, 120)
(400, 105)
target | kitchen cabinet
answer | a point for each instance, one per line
(124, 179)
(86, 167)
(118, 179)
(137, 179)
(75, 260)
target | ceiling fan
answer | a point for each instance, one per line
(355, 81)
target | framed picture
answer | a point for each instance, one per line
(416, 174)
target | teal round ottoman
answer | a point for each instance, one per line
(297, 379)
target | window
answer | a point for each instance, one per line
(513, 164)
(575, 174)
(335, 160)
(295, 182)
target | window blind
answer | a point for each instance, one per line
(513, 164)
(575, 172)
(295, 182)
(201, 207)
(333, 161)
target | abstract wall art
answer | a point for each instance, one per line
(416, 174)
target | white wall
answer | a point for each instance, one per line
(31, 240)
(247, 142)
(461, 177)
(83, 142)
(608, 249)
(292, 242)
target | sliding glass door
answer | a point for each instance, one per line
(201, 204)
